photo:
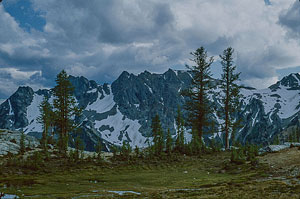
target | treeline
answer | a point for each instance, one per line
(198, 105)
(60, 115)
(199, 110)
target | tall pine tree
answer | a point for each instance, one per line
(158, 137)
(169, 142)
(65, 109)
(22, 143)
(196, 143)
(45, 118)
(230, 90)
(179, 144)
(198, 105)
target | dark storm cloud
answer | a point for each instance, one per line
(100, 39)
(111, 21)
(262, 66)
(100, 35)
(291, 19)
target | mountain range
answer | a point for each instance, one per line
(123, 110)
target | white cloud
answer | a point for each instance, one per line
(78, 69)
(100, 39)
(16, 74)
(260, 83)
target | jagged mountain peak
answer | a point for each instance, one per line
(291, 81)
(123, 110)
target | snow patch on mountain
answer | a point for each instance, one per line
(102, 105)
(32, 114)
(124, 129)
(10, 108)
(118, 128)
(92, 91)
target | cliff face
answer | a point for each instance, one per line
(123, 110)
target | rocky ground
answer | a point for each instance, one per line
(10, 142)
(285, 165)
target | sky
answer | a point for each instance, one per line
(99, 39)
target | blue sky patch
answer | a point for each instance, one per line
(267, 2)
(286, 71)
(25, 15)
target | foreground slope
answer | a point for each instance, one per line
(207, 176)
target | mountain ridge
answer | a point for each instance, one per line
(122, 111)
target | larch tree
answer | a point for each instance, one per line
(65, 109)
(197, 104)
(22, 143)
(158, 137)
(45, 118)
(179, 144)
(169, 142)
(230, 91)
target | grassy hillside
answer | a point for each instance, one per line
(208, 176)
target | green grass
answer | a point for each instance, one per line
(189, 177)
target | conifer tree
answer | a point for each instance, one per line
(22, 143)
(125, 150)
(98, 149)
(290, 137)
(137, 151)
(230, 89)
(294, 135)
(45, 118)
(276, 140)
(196, 143)
(65, 109)
(158, 138)
(179, 145)
(78, 148)
(198, 105)
(169, 142)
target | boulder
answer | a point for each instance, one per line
(10, 141)
(6, 146)
(277, 148)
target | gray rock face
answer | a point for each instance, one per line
(142, 97)
(13, 110)
(123, 111)
(10, 141)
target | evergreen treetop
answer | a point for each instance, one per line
(65, 109)
(198, 105)
(158, 137)
(230, 90)
(45, 118)
(169, 142)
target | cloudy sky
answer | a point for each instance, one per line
(100, 38)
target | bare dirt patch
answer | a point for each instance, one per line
(283, 162)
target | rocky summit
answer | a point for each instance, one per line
(123, 110)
